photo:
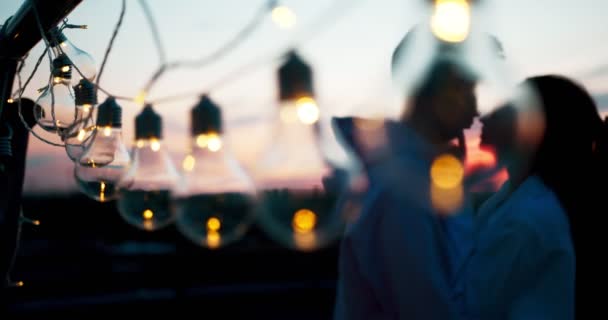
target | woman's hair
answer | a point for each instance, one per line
(574, 140)
(571, 160)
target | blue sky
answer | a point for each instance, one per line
(350, 56)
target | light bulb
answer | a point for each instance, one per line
(84, 61)
(215, 201)
(78, 136)
(145, 192)
(106, 159)
(284, 17)
(56, 110)
(298, 189)
(452, 67)
(451, 20)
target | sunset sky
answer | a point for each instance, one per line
(350, 51)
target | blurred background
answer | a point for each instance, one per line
(83, 259)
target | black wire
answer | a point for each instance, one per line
(223, 50)
(31, 74)
(155, 33)
(339, 7)
(111, 43)
(25, 124)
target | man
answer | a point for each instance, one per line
(395, 260)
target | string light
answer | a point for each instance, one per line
(81, 131)
(89, 168)
(105, 160)
(298, 188)
(284, 17)
(451, 20)
(218, 209)
(57, 105)
(148, 185)
(60, 44)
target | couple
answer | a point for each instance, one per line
(400, 260)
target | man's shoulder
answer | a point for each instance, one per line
(386, 204)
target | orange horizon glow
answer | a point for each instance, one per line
(478, 158)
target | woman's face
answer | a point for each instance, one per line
(513, 134)
(499, 130)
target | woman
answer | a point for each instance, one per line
(523, 265)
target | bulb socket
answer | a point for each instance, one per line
(109, 114)
(206, 117)
(55, 36)
(85, 93)
(59, 63)
(148, 124)
(295, 78)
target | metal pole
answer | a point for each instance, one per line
(18, 36)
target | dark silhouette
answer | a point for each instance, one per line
(571, 160)
(395, 260)
(567, 156)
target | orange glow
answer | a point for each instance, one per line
(148, 225)
(102, 190)
(305, 241)
(447, 172)
(81, 135)
(140, 99)
(86, 108)
(304, 221)
(308, 111)
(148, 214)
(212, 141)
(213, 239)
(478, 159)
(215, 143)
(188, 163)
(213, 224)
(451, 20)
(447, 200)
(154, 145)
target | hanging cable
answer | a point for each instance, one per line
(341, 6)
(220, 52)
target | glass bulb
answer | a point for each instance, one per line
(80, 58)
(451, 66)
(64, 107)
(284, 17)
(79, 135)
(103, 164)
(298, 189)
(215, 201)
(145, 192)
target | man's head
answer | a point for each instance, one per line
(443, 96)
